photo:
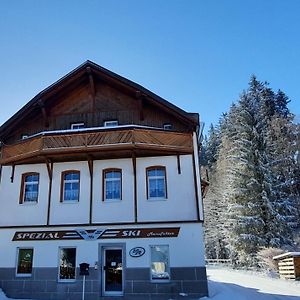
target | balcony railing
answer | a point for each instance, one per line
(96, 142)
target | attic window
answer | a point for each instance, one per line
(168, 126)
(75, 126)
(111, 123)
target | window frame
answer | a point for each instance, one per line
(168, 126)
(17, 262)
(105, 124)
(104, 172)
(62, 186)
(23, 186)
(77, 124)
(169, 267)
(58, 269)
(148, 185)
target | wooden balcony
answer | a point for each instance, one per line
(97, 143)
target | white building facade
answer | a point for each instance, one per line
(120, 194)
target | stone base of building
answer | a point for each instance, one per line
(43, 285)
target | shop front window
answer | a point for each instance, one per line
(67, 263)
(25, 258)
(160, 266)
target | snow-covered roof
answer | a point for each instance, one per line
(287, 254)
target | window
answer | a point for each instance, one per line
(160, 266)
(156, 183)
(168, 126)
(29, 188)
(77, 125)
(112, 184)
(70, 183)
(67, 264)
(111, 123)
(25, 258)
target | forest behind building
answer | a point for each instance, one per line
(252, 158)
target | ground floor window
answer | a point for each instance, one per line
(67, 263)
(160, 265)
(25, 258)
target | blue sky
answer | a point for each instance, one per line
(197, 54)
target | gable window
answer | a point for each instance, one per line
(168, 126)
(156, 182)
(112, 184)
(160, 266)
(70, 183)
(77, 125)
(111, 123)
(67, 264)
(25, 259)
(29, 188)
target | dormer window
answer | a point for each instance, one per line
(75, 126)
(168, 126)
(111, 123)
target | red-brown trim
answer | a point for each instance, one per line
(104, 171)
(196, 187)
(178, 164)
(12, 173)
(49, 192)
(103, 224)
(135, 187)
(153, 168)
(62, 184)
(23, 178)
(91, 169)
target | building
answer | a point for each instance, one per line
(97, 169)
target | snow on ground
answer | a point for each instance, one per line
(228, 284)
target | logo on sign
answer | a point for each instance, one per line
(137, 252)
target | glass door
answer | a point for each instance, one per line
(112, 271)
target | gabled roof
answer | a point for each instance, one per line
(96, 70)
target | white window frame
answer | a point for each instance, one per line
(17, 262)
(105, 180)
(148, 178)
(79, 125)
(111, 123)
(58, 269)
(65, 181)
(23, 188)
(169, 267)
(168, 126)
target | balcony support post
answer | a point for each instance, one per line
(91, 170)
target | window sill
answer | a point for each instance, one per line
(23, 275)
(70, 202)
(29, 203)
(157, 199)
(66, 280)
(112, 200)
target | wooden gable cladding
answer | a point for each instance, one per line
(98, 143)
(93, 95)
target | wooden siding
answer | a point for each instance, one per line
(289, 267)
(98, 141)
(78, 105)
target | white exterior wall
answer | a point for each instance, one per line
(114, 211)
(186, 250)
(180, 204)
(73, 212)
(13, 213)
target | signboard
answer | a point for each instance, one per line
(137, 252)
(96, 234)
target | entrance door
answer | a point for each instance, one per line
(112, 272)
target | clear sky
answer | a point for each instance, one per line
(197, 54)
